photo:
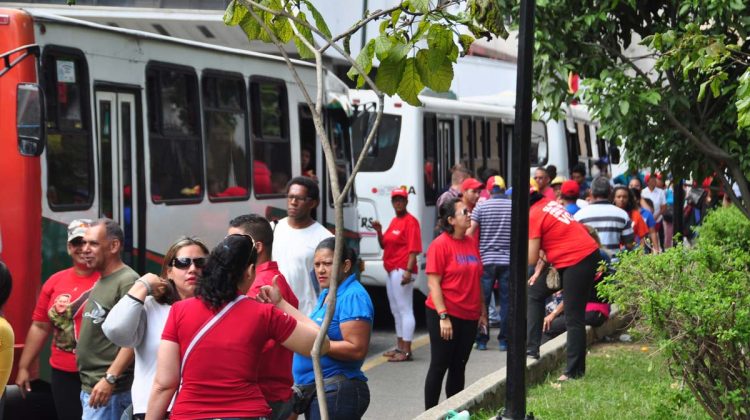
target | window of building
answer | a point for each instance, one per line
(272, 163)
(175, 147)
(70, 178)
(227, 150)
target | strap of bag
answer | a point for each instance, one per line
(201, 333)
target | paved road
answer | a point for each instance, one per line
(397, 389)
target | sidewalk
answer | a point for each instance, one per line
(397, 389)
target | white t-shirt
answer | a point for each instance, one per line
(293, 250)
(659, 199)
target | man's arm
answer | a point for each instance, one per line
(103, 390)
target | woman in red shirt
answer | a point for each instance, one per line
(624, 198)
(567, 246)
(211, 343)
(401, 244)
(455, 305)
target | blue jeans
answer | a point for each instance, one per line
(346, 400)
(117, 403)
(501, 274)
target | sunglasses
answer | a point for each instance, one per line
(76, 241)
(184, 263)
(464, 211)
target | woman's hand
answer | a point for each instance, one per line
(534, 277)
(406, 278)
(377, 226)
(548, 321)
(270, 294)
(483, 322)
(446, 329)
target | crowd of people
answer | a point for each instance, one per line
(227, 333)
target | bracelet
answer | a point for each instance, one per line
(146, 285)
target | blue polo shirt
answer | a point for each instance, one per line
(353, 303)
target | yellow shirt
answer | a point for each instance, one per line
(7, 340)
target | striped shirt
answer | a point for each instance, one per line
(611, 223)
(494, 218)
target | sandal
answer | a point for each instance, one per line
(392, 352)
(401, 356)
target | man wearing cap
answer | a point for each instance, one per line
(556, 184)
(106, 370)
(569, 191)
(492, 218)
(401, 243)
(58, 311)
(542, 179)
(458, 175)
(611, 223)
(470, 190)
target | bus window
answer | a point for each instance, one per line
(338, 131)
(583, 140)
(227, 148)
(69, 156)
(468, 148)
(494, 153)
(382, 152)
(29, 119)
(174, 134)
(538, 149)
(429, 145)
(272, 164)
(307, 140)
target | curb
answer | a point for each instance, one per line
(489, 391)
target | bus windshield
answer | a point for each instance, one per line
(382, 151)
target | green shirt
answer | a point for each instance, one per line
(94, 352)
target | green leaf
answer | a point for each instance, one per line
(364, 60)
(234, 13)
(624, 107)
(250, 27)
(304, 31)
(440, 38)
(383, 46)
(389, 73)
(394, 17)
(716, 87)
(702, 91)
(421, 6)
(283, 29)
(465, 41)
(411, 84)
(435, 70)
(320, 23)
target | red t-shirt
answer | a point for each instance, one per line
(275, 373)
(457, 262)
(61, 303)
(402, 238)
(565, 241)
(220, 376)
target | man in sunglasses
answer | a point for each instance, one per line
(275, 372)
(58, 311)
(106, 370)
(296, 237)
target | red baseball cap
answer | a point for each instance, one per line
(471, 184)
(570, 188)
(399, 192)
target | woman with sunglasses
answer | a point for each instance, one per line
(455, 305)
(137, 320)
(211, 344)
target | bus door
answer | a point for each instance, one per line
(445, 153)
(117, 127)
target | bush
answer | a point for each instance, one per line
(696, 302)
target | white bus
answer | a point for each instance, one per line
(168, 137)
(417, 146)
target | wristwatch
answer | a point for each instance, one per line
(110, 378)
(443, 316)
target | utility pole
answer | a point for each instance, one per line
(515, 391)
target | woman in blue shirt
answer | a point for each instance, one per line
(347, 393)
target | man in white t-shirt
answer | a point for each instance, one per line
(656, 195)
(295, 239)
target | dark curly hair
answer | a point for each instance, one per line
(225, 270)
(630, 205)
(447, 209)
(6, 284)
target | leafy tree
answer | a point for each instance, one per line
(669, 78)
(416, 46)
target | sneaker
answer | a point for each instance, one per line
(533, 355)
(503, 346)
(481, 346)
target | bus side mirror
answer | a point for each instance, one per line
(30, 119)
